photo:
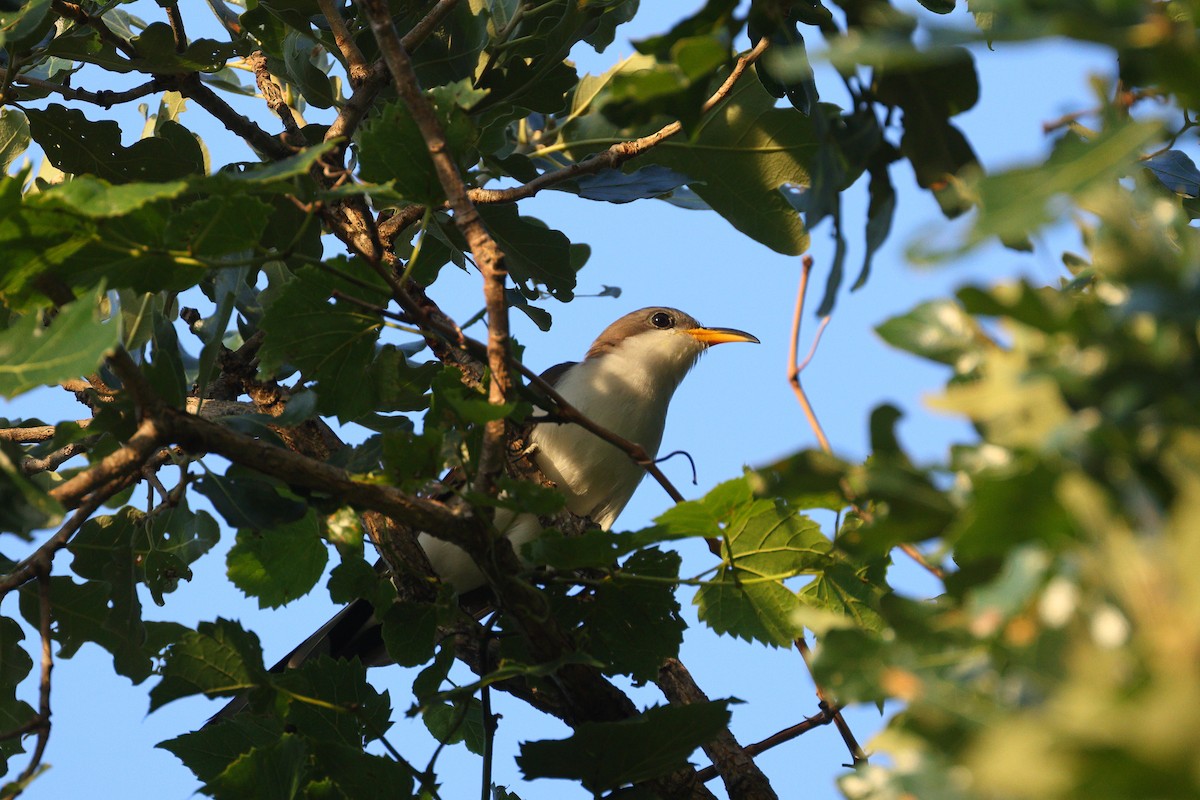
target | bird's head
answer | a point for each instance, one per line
(664, 341)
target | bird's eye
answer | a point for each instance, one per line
(662, 320)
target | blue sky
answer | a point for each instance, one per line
(736, 409)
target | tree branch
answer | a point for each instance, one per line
(742, 777)
(127, 460)
(270, 92)
(487, 254)
(191, 87)
(357, 68)
(103, 98)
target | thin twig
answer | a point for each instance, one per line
(822, 717)
(32, 466)
(360, 102)
(856, 752)
(192, 88)
(104, 98)
(619, 153)
(794, 366)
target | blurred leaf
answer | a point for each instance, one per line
(939, 330)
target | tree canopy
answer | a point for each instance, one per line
(257, 341)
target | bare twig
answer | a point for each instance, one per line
(357, 67)
(856, 752)
(125, 461)
(32, 466)
(822, 717)
(34, 433)
(104, 98)
(794, 366)
(356, 107)
(191, 87)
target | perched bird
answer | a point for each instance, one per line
(624, 384)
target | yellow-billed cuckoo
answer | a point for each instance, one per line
(624, 384)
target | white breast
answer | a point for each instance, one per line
(626, 391)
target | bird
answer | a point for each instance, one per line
(624, 383)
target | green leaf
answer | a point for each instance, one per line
(15, 664)
(247, 499)
(606, 755)
(276, 771)
(631, 626)
(764, 542)
(851, 593)
(77, 146)
(393, 149)
(360, 713)
(97, 198)
(410, 632)
(451, 724)
(76, 340)
(219, 225)
(939, 330)
(157, 53)
(359, 774)
(14, 136)
(279, 564)
(332, 343)
(314, 83)
(534, 253)
(217, 659)
(737, 158)
(208, 751)
(756, 612)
